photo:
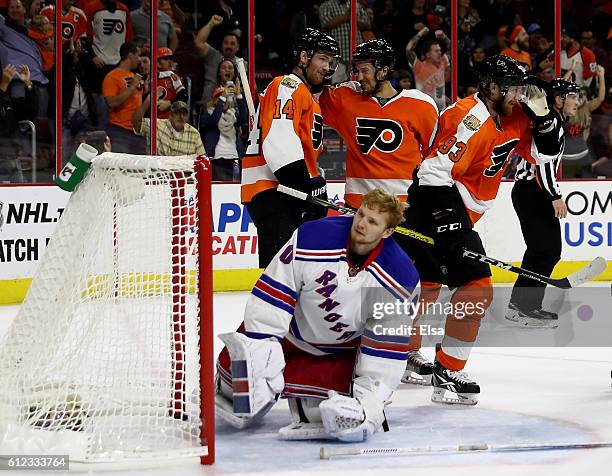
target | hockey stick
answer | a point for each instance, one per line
(246, 88)
(348, 211)
(588, 272)
(584, 274)
(328, 452)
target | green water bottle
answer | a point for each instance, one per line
(75, 169)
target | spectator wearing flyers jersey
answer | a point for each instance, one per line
(169, 85)
(108, 27)
(580, 59)
(74, 21)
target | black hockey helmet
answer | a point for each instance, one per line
(562, 87)
(379, 52)
(313, 41)
(502, 70)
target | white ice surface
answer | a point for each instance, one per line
(529, 395)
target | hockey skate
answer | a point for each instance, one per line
(453, 387)
(537, 318)
(418, 369)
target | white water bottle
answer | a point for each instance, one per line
(236, 171)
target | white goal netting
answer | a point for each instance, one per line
(102, 361)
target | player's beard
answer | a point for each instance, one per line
(369, 88)
(502, 108)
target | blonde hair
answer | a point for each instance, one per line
(386, 202)
(41, 24)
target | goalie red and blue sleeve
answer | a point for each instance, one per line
(272, 302)
(385, 340)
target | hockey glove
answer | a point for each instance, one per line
(317, 187)
(353, 419)
(295, 175)
(535, 104)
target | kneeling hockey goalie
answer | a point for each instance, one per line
(314, 333)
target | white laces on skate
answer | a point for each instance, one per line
(460, 377)
(417, 357)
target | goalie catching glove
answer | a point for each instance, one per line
(354, 419)
(257, 379)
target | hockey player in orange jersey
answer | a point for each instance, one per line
(284, 145)
(385, 131)
(456, 183)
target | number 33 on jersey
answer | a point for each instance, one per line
(288, 127)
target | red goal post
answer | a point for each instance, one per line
(110, 358)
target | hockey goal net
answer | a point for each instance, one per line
(110, 358)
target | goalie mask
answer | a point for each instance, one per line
(507, 73)
(313, 41)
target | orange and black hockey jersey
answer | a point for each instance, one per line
(74, 21)
(169, 85)
(384, 142)
(472, 150)
(288, 127)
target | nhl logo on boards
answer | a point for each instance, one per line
(472, 122)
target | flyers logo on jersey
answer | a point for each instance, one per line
(384, 134)
(472, 122)
(500, 156)
(110, 25)
(67, 30)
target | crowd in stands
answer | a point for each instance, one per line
(107, 68)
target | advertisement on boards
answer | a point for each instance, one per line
(585, 233)
(28, 216)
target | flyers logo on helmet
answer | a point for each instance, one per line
(384, 134)
(500, 156)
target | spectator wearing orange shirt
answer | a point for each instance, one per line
(122, 90)
(518, 39)
(74, 21)
(432, 72)
(41, 31)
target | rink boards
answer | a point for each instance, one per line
(28, 216)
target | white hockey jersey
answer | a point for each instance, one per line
(307, 296)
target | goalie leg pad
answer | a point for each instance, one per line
(224, 409)
(257, 375)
